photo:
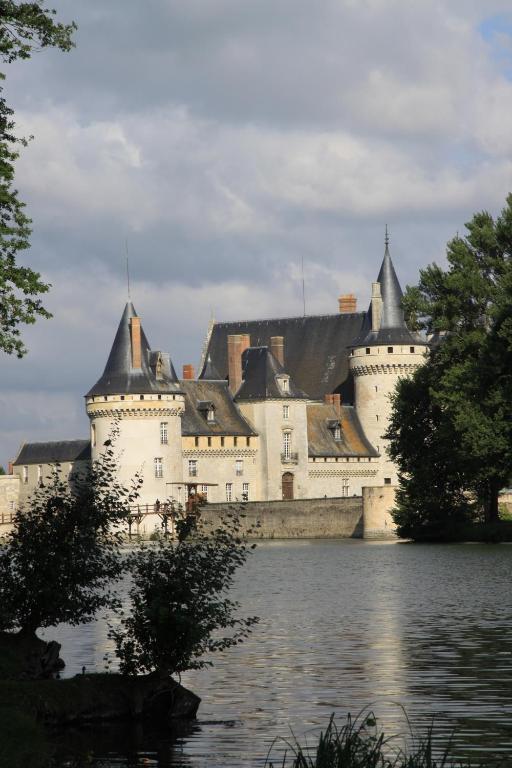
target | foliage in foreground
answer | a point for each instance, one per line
(359, 744)
(179, 603)
(25, 27)
(63, 554)
(451, 426)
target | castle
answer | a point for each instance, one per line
(292, 408)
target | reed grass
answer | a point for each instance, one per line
(358, 743)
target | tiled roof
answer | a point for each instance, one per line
(228, 419)
(321, 442)
(58, 451)
(260, 377)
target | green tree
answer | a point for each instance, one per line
(469, 371)
(179, 603)
(59, 561)
(24, 28)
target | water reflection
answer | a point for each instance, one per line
(343, 624)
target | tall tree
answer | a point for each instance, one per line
(470, 369)
(24, 27)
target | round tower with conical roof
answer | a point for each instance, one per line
(385, 351)
(138, 396)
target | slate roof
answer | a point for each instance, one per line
(315, 348)
(228, 419)
(393, 329)
(321, 442)
(260, 372)
(119, 377)
(209, 371)
(49, 453)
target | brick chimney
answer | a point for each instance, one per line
(237, 344)
(328, 399)
(136, 342)
(336, 401)
(188, 372)
(10, 470)
(347, 303)
(277, 348)
(376, 306)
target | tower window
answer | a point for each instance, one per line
(345, 488)
(229, 491)
(239, 467)
(367, 350)
(411, 350)
(164, 435)
(25, 474)
(192, 467)
(222, 441)
(248, 441)
(122, 397)
(209, 442)
(141, 397)
(93, 434)
(387, 481)
(196, 441)
(390, 349)
(40, 474)
(235, 441)
(286, 411)
(159, 467)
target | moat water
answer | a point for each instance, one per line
(343, 625)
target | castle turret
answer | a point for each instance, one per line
(139, 395)
(385, 351)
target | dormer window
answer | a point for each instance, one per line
(207, 409)
(335, 427)
(284, 383)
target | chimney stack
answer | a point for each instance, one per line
(336, 401)
(328, 399)
(10, 470)
(347, 303)
(277, 348)
(188, 372)
(136, 342)
(376, 306)
(237, 344)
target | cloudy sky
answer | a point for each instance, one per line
(227, 140)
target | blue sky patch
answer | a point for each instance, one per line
(497, 31)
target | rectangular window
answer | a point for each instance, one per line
(387, 481)
(196, 441)
(159, 467)
(204, 491)
(411, 349)
(345, 488)
(210, 414)
(287, 444)
(390, 350)
(164, 434)
(235, 441)
(239, 467)
(245, 491)
(209, 442)
(286, 385)
(367, 350)
(337, 432)
(25, 474)
(192, 467)
(12, 505)
(93, 434)
(248, 441)
(286, 411)
(229, 491)
(222, 441)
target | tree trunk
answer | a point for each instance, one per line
(491, 502)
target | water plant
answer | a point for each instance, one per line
(359, 743)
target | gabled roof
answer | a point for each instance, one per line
(393, 328)
(321, 442)
(52, 452)
(315, 348)
(261, 374)
(228, 419)
(119, 376)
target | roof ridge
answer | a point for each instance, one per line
(295, 317)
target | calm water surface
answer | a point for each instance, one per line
(344, 624)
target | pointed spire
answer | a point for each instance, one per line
(209, 372)
(121, 375)
(391, 292)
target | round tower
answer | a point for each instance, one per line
(385, 351)
(138, 397)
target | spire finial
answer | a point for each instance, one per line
(127, 270)
(386, 238)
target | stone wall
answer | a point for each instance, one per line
(300, 518)
(377, 505)
(9, 500)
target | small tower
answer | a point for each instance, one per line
(139, 395)
(385, 351)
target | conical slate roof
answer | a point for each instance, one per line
(393, 328)
(156, 373)
(209, 371)
(260, 372)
